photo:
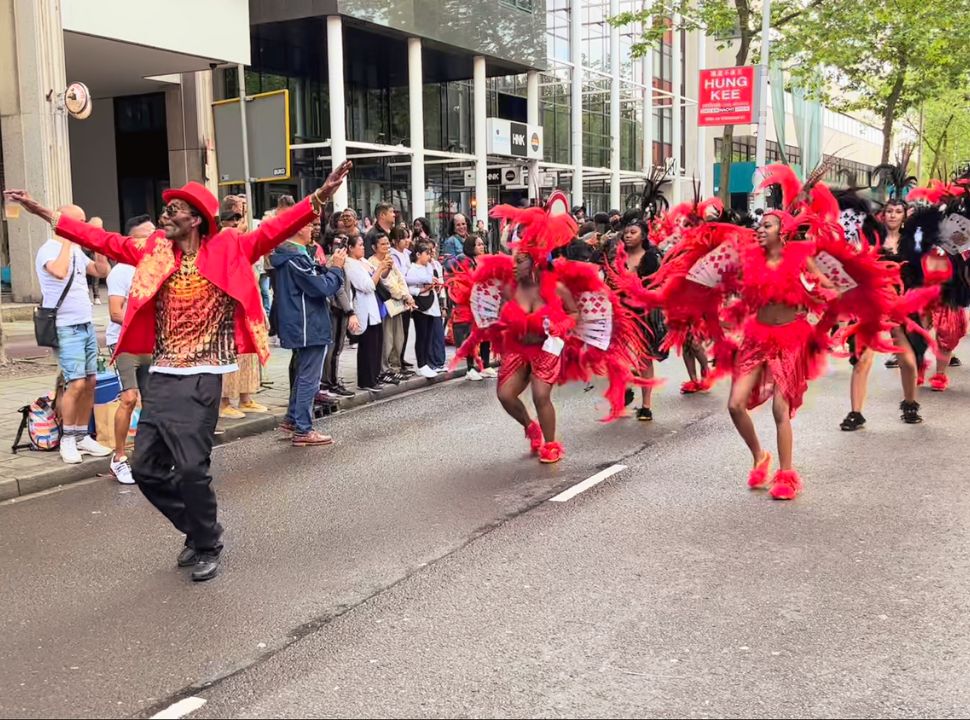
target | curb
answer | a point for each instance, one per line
(61, 474)
(16, 313)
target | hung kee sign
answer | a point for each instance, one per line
(726, 96)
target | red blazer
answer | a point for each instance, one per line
(225, 259)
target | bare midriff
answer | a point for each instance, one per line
(779, 314)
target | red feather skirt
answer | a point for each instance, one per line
(788, 356)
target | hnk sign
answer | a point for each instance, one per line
(514, 139)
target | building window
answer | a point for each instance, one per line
(523, 5)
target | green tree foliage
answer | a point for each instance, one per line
(944, 133)
(885, 57)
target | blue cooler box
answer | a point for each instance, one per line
(107, 390)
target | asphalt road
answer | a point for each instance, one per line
(416, 569)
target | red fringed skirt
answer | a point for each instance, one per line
(788, 355)
(950, 324)
(543, 365)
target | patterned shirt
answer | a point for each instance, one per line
(194, 325)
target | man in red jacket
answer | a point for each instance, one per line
(194, 304)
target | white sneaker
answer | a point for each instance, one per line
(426, 372)
(69, 453)
(440, 370)
(473, 374)
(122, 471)
(90, 446)
(489, 373)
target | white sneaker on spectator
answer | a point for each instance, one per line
(489, 373)
(122, 471)
(69, 453)
(91, 446)
(426, 372)
(473, 374)
(440, 370)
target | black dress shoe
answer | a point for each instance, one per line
(955, 361)
(341, 390)
(188, 557)
(206, 568)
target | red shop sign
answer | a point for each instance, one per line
(726, 96)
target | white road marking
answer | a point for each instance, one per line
(180, 709)
(587, 483)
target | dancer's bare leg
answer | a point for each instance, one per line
(646, 393)
(859, 384)
(545, 410)
(907, 364)
(509, 392)
(741, 389)
(781, 410)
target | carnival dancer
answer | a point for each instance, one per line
(193, 305)
(763, 286)
(552, 321)
(862, 231)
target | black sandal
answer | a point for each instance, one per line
(955, 361)
(892, 362)
(910, 414)
(853, 421)
(644, 414)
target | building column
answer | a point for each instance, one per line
(676, 135)
(188, 119)
(701, 145)
(416, 106)
(481, 155)
(532, 117)
(36, 150)
(338, 120)
(576, 97)
(614, 108)
(648, 124)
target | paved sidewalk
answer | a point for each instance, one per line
(30, 471)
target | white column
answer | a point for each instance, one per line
(648, 126)
(532, 110)
(701, 147)
(761, 145)
(576, 97)
(481, 156)
(338, 126)
(36, 148)
(416, 105)
(615, 107)
(676, 136)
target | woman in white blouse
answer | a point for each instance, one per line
(365, 323)
(423, 286)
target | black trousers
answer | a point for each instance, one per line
(173, 452)
(406, 320)
(423, 329)
(331, 366)
(369, 346)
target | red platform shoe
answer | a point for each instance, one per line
(786, 485)
(534, 434)
(551, 452)
(759, 475)
(939, 382)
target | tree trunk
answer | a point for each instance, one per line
(890, 114)
(727, 145)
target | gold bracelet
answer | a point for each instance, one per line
(55, 218)
(316, 203)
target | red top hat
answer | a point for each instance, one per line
(199, 197)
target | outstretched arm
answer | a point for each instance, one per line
(115, 246)
(284, 225)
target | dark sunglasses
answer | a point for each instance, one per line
(172, 210)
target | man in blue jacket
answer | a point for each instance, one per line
(303, 292)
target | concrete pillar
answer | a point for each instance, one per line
(676, 135)
(188, 118)
(338, 121)
(481, 155)
(701, 161)
(416, 106)
(36, 149)
(532, 117)
(614, 107)
(576, 97)
(648, 126)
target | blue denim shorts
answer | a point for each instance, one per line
(78, 351)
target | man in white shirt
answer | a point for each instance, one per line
(59, 263)
(132, 368)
